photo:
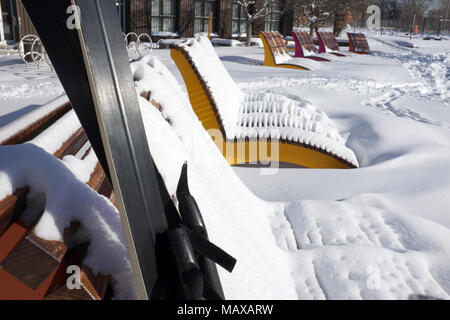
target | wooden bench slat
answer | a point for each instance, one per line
(38, 126)
(73, 144)
(35, 266)
(11, 207)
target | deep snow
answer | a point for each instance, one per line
(377, 232)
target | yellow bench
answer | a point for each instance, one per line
(251, 129)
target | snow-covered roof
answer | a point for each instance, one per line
(262, 115)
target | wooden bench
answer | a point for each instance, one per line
(32, 267)
(358, 43)
(222, 107)
(276, 53)
(329, 44)
(305, 48)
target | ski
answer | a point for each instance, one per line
(83, 39)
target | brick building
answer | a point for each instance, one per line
(167, 18)
(188, 17)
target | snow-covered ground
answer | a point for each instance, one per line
(377, 232)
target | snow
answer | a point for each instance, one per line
(66, 198)
(164, 34)
(10, 128)
(54, 137)
(22, 88)
(226, 42)
(377, 232)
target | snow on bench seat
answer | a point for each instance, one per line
(242, 116)
(32, 123)
(52, 129)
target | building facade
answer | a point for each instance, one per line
(15, 22)
(184, 18)
(167, 18)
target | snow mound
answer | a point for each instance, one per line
(263, 115)
(237, 221)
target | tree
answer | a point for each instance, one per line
(317, 12)
(254, 10)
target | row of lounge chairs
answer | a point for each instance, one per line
(276, 52)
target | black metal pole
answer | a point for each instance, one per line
(412, 26)
(423, 27)
(439, 27)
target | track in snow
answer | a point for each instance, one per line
(349, 252)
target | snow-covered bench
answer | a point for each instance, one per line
(276, 53)
(329, 44)
(301, 134)
(32, 267)
(304, 48)
(358, 43)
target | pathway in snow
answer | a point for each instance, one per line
(432, 70)
(386, 101)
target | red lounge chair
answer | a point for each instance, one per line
(358, 43)
(304, 48)
(329, 44)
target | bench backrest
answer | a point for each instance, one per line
(223, 93)
(327, 42)
(304, 45)
(358, 43)
(276, 45)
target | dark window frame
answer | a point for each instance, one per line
(204, 17)
(272, 17)
(240, 19)
(161, 17)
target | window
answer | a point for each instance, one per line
(9, 13)
(273, 17)
(202, 10)
(238, 21)
(162, 16)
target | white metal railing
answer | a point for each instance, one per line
(137, 43)
(36, 52)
